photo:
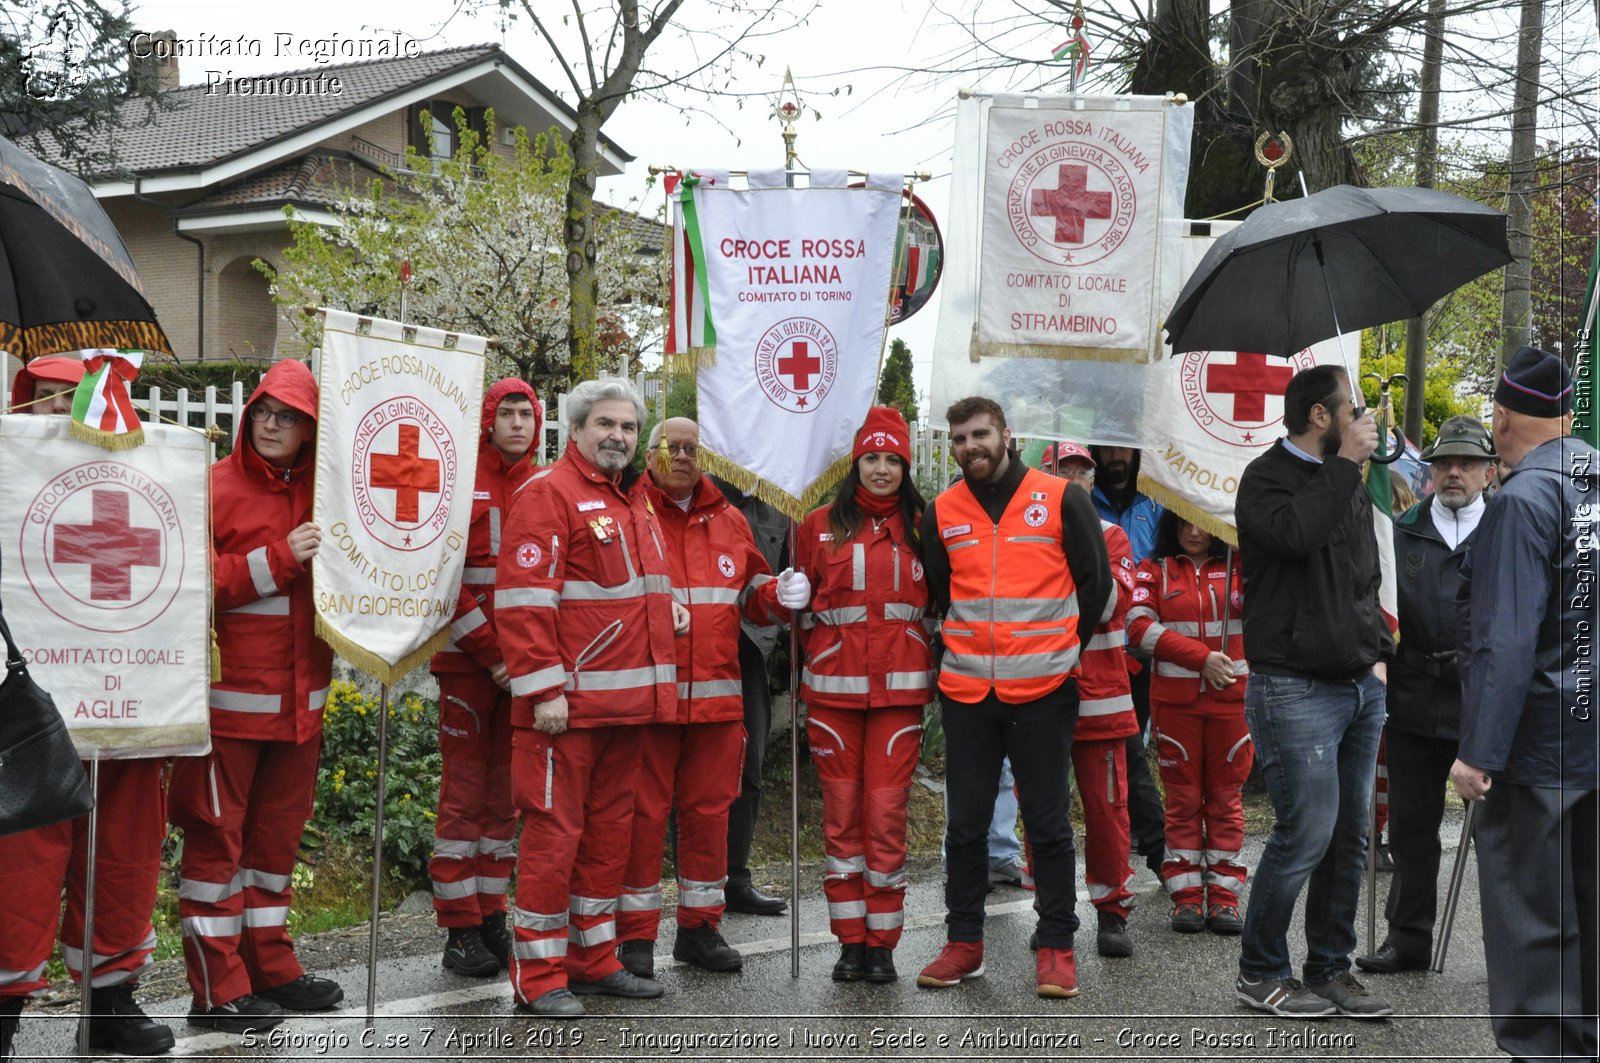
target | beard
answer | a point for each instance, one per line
(611, 457)
(981, 463)
(1454, 497)
(1331, 440)
(1115, 473)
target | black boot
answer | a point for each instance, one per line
(466, 953)
(118, 1024)
(879, 965)
(496, 938)
(10, 1017)
(852, 963)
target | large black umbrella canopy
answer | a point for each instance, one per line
(1340, 260)
(66, 280)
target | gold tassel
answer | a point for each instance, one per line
(1059, 353)
(1187, 510)
(375, 666)
(106, 440)
(216, 658)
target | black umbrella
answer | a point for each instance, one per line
(66, 281)
(1344, 259)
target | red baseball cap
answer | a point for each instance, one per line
(1056, 453)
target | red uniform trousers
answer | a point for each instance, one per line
(1205, 753)
(473, 851)
(243, 808)
(575, 791)
(1101, 769)
(35, 864)
(692, 769)
(865, 759)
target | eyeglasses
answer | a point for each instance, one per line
(284, 419)
(688, 450)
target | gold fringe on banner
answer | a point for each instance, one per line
(375, 666)
(752, 484)
(690, 361)
(1059, 353)
(1187, 510)
(106, 440)
(216, 658)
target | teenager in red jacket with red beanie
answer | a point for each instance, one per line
(1180, 603)
(473, 848)
(243, 806)
(867, 676)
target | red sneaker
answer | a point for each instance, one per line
(958, 961)
(1058, 973)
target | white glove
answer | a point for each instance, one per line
(794, 590)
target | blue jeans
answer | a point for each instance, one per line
(1317, 744)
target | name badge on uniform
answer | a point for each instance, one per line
(955, 530)
(593, 503)
(480, 496)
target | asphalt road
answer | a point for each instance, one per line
(1172, 1000)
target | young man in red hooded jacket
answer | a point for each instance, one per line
(244, 805)
(473, 852)
(34, 864)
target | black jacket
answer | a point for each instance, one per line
(1309, 556)
(1424, 680)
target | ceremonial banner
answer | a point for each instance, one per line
(1071, 224)
(796, 284)
(397, 445)
(105, 572)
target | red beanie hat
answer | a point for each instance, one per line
(52, 368)
(883, 431)
(496, 394)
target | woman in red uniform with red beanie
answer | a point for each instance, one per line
(1181, 598)
(868, 673)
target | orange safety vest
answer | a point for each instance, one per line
(1012, 625)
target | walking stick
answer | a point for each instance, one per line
(1453, 896)
(794, 776)
(86, 965)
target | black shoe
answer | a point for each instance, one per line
(556, 1004)
(1033, 941)
(1113, 938)
(852, 963)
(748, 900)
(879, 965)
(118, 1024)
(1385, 859)
(1187, 919)
(703, 947)
(618, 984)
(241, 1015)
(1390, 960)
(496, 938)
(638, 958)
(10, 1019)
(1225, 921)
(465, 953)
(306, 993)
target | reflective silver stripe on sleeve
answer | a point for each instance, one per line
(1184, 627)
(275, 915)
(624, 678)
(264, 880)
(1175, 671)
(1144, 611)
(1105, 706)
(468, 624)
(456, 891)
(193, 889)
(494, 531)
(844, 614)
(711, 688)
(261, 572)
(858, 567)
(533, 682)
(527, 597)
(478, 574)
(1107, 640)
(212, 926)
(538, 922)
(1152, 635)
(240, 701)
(847, 909)
(902, 611)
(595, 935)
(274, 606)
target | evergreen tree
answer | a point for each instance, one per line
(894, 385)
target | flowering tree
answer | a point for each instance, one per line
(484, 236)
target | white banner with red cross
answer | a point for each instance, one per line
(1072, 206)
(105, 576)
(796, 284)
(398, 420)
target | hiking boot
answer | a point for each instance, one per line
(240, 1015)
(956, 962)
(879, 966)
(1284, 997)
(306, 993)
(1225, 921)
(618, 984)
(556, 1004)
(10, 1019)
(497, 938)
(118, 1024)
(465, 953)
(1352, 998)
(1113, 938)
(851, 965)
(703, 947)
(1057, 973)
(1187, 919)
(638, 958)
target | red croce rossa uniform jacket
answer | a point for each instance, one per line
(473, 643)
(717, 572)
(582, 568)
(866, 645)
(1105, 698)
(275, 671)
(1171, 601)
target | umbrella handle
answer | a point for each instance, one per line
(1395, 454)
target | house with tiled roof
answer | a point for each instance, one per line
(200, 182)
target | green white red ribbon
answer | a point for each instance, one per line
(102, 412)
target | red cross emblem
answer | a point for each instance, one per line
(407, 474)
(796, 363)
(1250, 379)
(1237, 398)
(800, 365)
(1070, 203)
(109, 544)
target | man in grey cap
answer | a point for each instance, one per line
(1529, 748)
(1430, 544)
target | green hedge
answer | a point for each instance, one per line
(169, 375)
